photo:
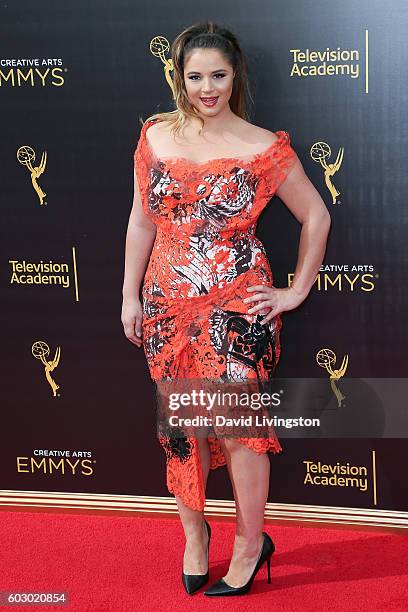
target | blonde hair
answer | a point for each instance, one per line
(205, 35)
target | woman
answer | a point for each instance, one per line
(209, 311)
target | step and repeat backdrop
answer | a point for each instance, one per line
(78, 404)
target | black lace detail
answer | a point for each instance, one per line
(176, 444)
(251, 342)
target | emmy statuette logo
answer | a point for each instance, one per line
(320, 152)
(159, 45)
(326, 358)
(41, 351)
(26, 157)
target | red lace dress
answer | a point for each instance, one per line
(195, 323)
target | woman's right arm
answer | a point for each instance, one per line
(140, 236)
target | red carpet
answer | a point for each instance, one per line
(109, 563)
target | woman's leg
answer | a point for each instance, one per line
(249, 474)
(195, 554)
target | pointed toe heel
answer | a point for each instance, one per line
(222, 588)
(194, 582)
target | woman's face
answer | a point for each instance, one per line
(207, 74)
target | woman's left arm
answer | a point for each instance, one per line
(301, 197)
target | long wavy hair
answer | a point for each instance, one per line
(207, 35)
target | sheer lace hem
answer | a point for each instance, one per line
(185, 479)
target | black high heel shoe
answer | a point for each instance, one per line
(193, 582)
(222, 588)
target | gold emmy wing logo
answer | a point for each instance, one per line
(320, 152)
(26, 157)
(326, 358)
(41, 350)
(159, 45)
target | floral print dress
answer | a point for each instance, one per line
(195, 323)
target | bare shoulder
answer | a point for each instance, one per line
(255, 133)
(156, 131)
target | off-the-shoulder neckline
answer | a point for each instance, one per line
(282, 136)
